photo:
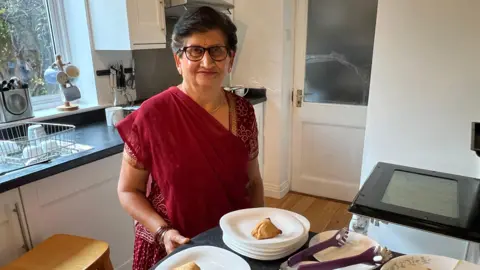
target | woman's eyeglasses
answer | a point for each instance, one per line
(196, 53)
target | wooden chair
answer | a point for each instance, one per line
(62, 252)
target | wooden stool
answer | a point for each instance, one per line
(62, 252)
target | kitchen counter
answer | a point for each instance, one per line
(105, 142)
(213, 237)
(91, 130)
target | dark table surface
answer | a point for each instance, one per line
(213, 237)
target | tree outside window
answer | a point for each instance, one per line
(26, 44)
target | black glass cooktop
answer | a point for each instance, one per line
(428, 200)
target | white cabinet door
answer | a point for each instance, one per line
(127, 24)
(13, 237)
(146, 22)
(259, 108)
(84, 202)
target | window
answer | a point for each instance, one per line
(340, 39)
(31, 32)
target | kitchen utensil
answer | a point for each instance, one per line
(9, 147)
(338, 240)
(206, 257)
(433, 262)
(356, 244)
(238, 90)
(374, 255)
(50, 75)
(241, 92)
(131, 80)
(35, 132)
(114, 115)
(71, 92)
(62, 78)
(123, 84)
(49, 145)
(32, 151)
(72, 71)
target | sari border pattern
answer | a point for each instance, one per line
(130, 158)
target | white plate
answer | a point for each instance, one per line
(276, 250)
(260, 250)
(238, 225)
(206, 257)
(256, 253)
(433, 262)
(356, 244)
(265, 257)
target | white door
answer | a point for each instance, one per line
(13, 237)
(146, 22)
(333, 52)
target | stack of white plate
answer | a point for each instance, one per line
(238, 225)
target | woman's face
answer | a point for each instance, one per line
(209, 70)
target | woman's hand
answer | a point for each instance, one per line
(172, 239)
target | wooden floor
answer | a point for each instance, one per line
(323, 214)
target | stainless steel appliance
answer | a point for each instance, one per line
(15, 105)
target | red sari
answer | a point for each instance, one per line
(197, 166)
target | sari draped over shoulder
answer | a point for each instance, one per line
(198, 167)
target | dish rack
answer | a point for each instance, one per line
(16, 148)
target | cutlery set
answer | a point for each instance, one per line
(374, 256)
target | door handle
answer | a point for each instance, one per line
(299, 94)
(299, 97)
(22, 230)
(163, 12)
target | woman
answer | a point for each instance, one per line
(196, 142)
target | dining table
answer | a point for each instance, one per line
(213, 237)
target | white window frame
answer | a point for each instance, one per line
(61, 45)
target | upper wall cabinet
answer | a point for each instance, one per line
(127, 24)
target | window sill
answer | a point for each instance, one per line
(47, 114)
(52, 113)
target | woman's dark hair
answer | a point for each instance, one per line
(201, 20)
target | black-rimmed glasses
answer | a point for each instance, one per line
(196, 53)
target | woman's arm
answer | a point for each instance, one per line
(132, 194)
(255, 185)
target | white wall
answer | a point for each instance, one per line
(95, 90)
(265, 59)
(424, 94)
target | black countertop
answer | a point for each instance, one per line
(91, 130)
(105, 142)
(213, 237)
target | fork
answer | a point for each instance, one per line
(338, 240)
(368, 257)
